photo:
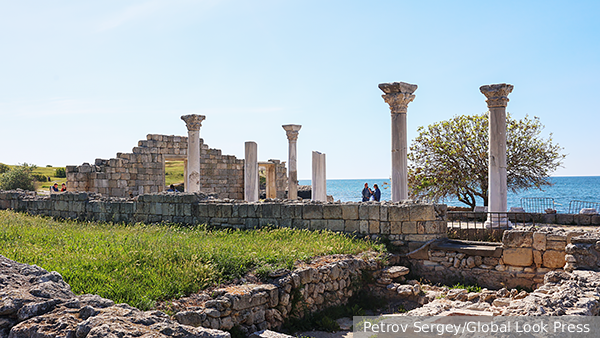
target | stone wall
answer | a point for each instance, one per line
(327, 282)
(143, 170)
(522, 259)
(405, 224)
(584, 252)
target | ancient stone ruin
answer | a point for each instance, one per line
(143, 170)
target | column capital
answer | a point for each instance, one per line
(291, 130)
(496, 94)
(398, 95)
(193, 121)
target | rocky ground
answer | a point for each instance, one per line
(38, 303)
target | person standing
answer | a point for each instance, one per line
(376, 193)
(366, 193)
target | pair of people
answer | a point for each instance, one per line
(54, 188)
(367, 193)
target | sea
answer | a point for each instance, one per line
(564, 190)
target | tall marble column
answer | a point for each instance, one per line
(497, 99)
(291, 130)
(251, 172)
(193, 123)
(319, 177)
(398, 95)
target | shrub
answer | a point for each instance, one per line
(4, 168)
(40, 177)
(60, 172)
(18, 177)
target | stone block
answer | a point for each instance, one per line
(395, 228)
(202, 210)
(335, 224)
(518, 256)
(298, 223)
(318, 224)
(385, 228)
(383, 213)
(363, 226)
(398, 213)
(517, 239)
(553, 259)
(351, 225)
(312, 211)
(288, 211)
(350, 211)
(227, 210)
(422, 212)
(332, 211)
(374, 227)
(266, 222)
(539, 241)
(252, 223)
(564, 219)
(556, 245)
(368, 211)
(409, 227)
(420, 227)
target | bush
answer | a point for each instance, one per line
(60, 172)
(4, 168)
(40, 177)
(18, 177)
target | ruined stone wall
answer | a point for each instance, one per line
(404, 224)
(143, 170)
(254, 307)
(523, 258)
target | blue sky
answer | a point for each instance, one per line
(81, 80)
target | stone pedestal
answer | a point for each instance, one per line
(193, 123)
(398, 95)
(251, 172)
(291, 131)
(497, 99)
(319, 177)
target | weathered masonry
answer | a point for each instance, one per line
(143, 170)
(405, 224)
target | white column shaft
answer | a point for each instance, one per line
(292, 172)
(319, 177)
(251, 172)
(399, 158)
(193, 162)
(497, 185)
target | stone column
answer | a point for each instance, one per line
(319, 177)
(497, 99)
(398, 95)
(251, 172)
(291, 131)
(193, 123)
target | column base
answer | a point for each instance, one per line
(497, 221)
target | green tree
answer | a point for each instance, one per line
(4, 168)
(450, 158)
(18, 177)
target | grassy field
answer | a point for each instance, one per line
(141, 264)
(173, 172)
(48, 171)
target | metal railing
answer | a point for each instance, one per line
(485, 226)
(537, 204)
(575, 206)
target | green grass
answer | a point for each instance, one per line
(173, 172)
(48, 171)
(141, 264)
